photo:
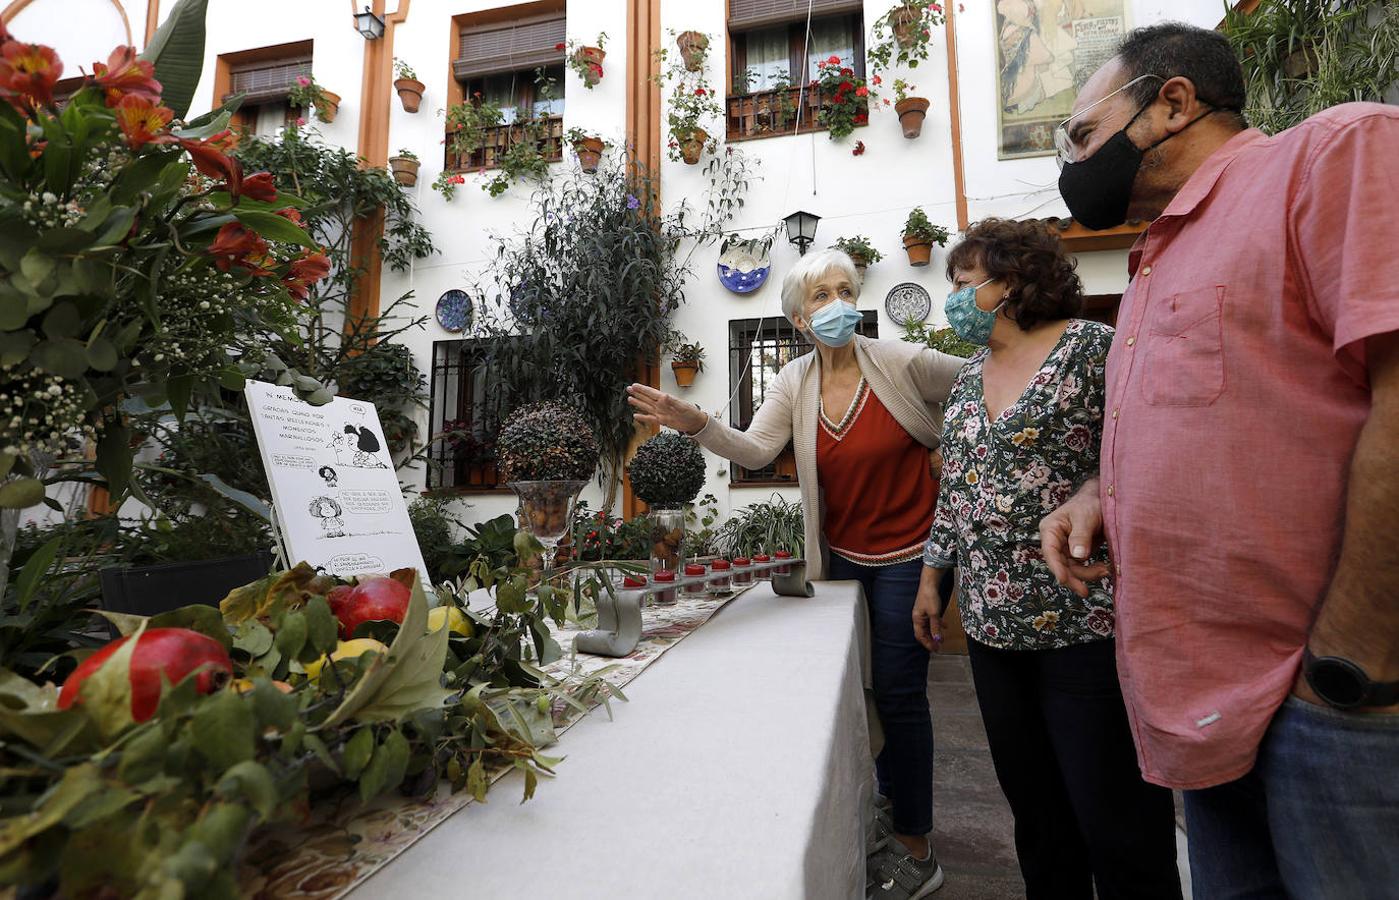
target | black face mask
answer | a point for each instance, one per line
(1099, 188)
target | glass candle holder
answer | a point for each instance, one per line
(782, 570)
(720, 577)
(664, 596)
(743, 570)
(694, 570)
(762, 574)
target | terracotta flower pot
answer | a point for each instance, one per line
(861, 263)
(410, 91)
(328, 107)
(693, 45)
(920, 250)
(684, 372)
(912, 111)
(906, 21)
(589, 151)
(692, 147)
(593, 57)
(405, 170)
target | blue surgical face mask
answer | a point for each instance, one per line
(834, 324)
(971, 322)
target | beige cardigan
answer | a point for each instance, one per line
(911, 380)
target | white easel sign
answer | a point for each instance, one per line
(334, 488)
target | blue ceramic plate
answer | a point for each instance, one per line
(744, 266)
(454, 310)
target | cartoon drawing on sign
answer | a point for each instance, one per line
(356, 447)
(329, 475)
(329, 512)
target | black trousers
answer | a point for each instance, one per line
(1063, 754)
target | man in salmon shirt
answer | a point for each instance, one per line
(1249, 481)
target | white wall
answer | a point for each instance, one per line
(81, 31)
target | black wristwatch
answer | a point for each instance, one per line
(1344, 685)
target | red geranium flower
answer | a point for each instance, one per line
(259, 187)
(233, 246)
(560, 45)
(861, 118)
(700, 92)
(862, 91)
(123, 74)
(28, 73)
(847, 72)
(877, 81)
(859, 149)
(141, 120)
(834, 61)
(306, 271)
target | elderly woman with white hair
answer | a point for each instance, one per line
(863, 416)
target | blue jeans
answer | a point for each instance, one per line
(899, 665)
(1317, 818)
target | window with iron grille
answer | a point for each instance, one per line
(509, 64)
(772, 56)
(268, 81)
(466, 415)
(758, 349)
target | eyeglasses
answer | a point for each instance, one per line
(1065, 150)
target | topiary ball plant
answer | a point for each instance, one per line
(668, 470)
(547, 441)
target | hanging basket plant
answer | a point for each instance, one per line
(920, 235)
(911, 110)
(586, 60)
(694, 104)
(587, 147)
(692, 145)
(405, 167)
(845, 98)
(694, 49)
(860, 251)
(410, 89)
(903, 35)
(307, 94)
(687, 360)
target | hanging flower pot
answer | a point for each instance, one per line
(861, 264)
(920, 250)
(587, 61)
(692, 146)
(684, 372)
(906, 20)
(405, 169)
(693, 47)
(328, 106)
(589, 150)
(912, 111)
(410, 92)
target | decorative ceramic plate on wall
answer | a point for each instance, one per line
(454, 310)
(908, 301)
(744, 265)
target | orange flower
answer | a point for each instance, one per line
(260, 187)
(306, 271)
(292, 214)
(141, 120)
(124, 74)
(213, 163)
(233, 246)
(28, 73)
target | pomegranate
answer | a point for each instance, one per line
(374, 598)
(172, 652)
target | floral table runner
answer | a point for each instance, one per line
(346, 842)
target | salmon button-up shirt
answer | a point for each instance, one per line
(1236, 391)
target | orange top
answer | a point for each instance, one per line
(879, 492)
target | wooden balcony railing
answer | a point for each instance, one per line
(769, 113)
(501, 138)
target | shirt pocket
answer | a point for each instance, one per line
(1183, 355)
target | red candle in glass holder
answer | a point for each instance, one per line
(721, 581)
(782, 570)
(693, 570)
(665, 594)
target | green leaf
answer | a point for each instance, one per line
(65, 357)
(385, 771)
(36, 266)
(178, 390)
(21, 493)
(273, 707)
(252, 782)
(14, 347)
(223, 729)
(275, 227)
(321, 627)
(267, 597)
(207, 125)
(223, 829)
(106, 694)
(177, 50)
(102, 355)
(114, 457)
(30, 712)
(34, 568)
(476, 783)
(77, 784)
(357, 753)
(291, 634)
(318, 747)
(143, 757)
(244, 499)
(62, 321)
(253, 638)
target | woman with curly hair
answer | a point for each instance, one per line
(1021, 433)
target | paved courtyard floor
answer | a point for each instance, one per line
(973, 827)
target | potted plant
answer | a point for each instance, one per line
(844, 98)
(587, 60)
(309, 95)
(903, 35)
(860, 251)
(693, 104)
(587, 147)
(694, 48)
(405, 167)
(666, 473)
(911, 110)
(447, 183)
(546, 452)
(686, 360)
(920, 235)
(410, 89)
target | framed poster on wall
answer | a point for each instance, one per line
(1045, 51)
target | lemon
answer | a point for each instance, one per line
(347, 650)
(243, 685)
(450, 616)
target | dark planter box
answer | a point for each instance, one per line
(151, 590)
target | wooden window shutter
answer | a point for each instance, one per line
(748, 14)
(266, 81)
(510, 47)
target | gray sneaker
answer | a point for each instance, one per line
(895, 875)
(881, 827)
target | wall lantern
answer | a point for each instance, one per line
(801, 230)
(369, 25)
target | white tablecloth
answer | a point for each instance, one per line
(740, 768)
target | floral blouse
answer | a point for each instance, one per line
(1000, 478)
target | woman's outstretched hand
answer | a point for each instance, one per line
(653, 407)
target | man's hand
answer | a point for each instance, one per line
(927, 624)
(655, 407)
(1068, 537)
